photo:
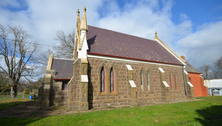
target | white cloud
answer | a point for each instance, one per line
(183, 16)
(43, 18)
(144, 18)
(203, 46)
(141, 18)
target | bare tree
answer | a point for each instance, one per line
(3, 83)
(18, 52)
(37, 83)
(3, 80)
(63, 50)
(205, 70)
(218, 65)
(214, 74)
(66, 47)
(42, 57)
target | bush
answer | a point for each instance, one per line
(26, 91)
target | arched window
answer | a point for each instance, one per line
(170, 82)
(111, 80)
(141, 80)
(102, 80)
(148, 80)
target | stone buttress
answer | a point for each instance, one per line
(78, 86)
(45, 97)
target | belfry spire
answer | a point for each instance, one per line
(77, 35)
(78, 22)
(84, 25)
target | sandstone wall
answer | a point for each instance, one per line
(122, 94)
(60, 97)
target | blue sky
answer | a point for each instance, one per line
(190, 27)
(199, 11)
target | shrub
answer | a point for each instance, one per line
(26, 91)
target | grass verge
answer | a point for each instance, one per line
(207, 111)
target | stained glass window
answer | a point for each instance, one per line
(102, 80)
(141, 80)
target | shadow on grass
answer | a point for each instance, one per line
(13, 121)
(210, 116)
(8, 105)
(18, 113)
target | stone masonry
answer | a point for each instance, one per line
(87, 95)
(123, 94)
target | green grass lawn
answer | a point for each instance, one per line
(207, 111)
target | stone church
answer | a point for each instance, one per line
(112, 69)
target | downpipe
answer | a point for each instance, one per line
(184, 79)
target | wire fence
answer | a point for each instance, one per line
(20, 95)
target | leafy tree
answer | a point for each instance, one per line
(18, 53)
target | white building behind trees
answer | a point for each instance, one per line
(214, 86)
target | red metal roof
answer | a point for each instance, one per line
(110, 43)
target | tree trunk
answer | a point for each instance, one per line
(14, 91)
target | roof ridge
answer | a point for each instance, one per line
(122, 33)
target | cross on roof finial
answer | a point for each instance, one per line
(84, 9)
(77, 12)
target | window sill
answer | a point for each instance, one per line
(146, 92)
(103, 94)
(114, 93)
